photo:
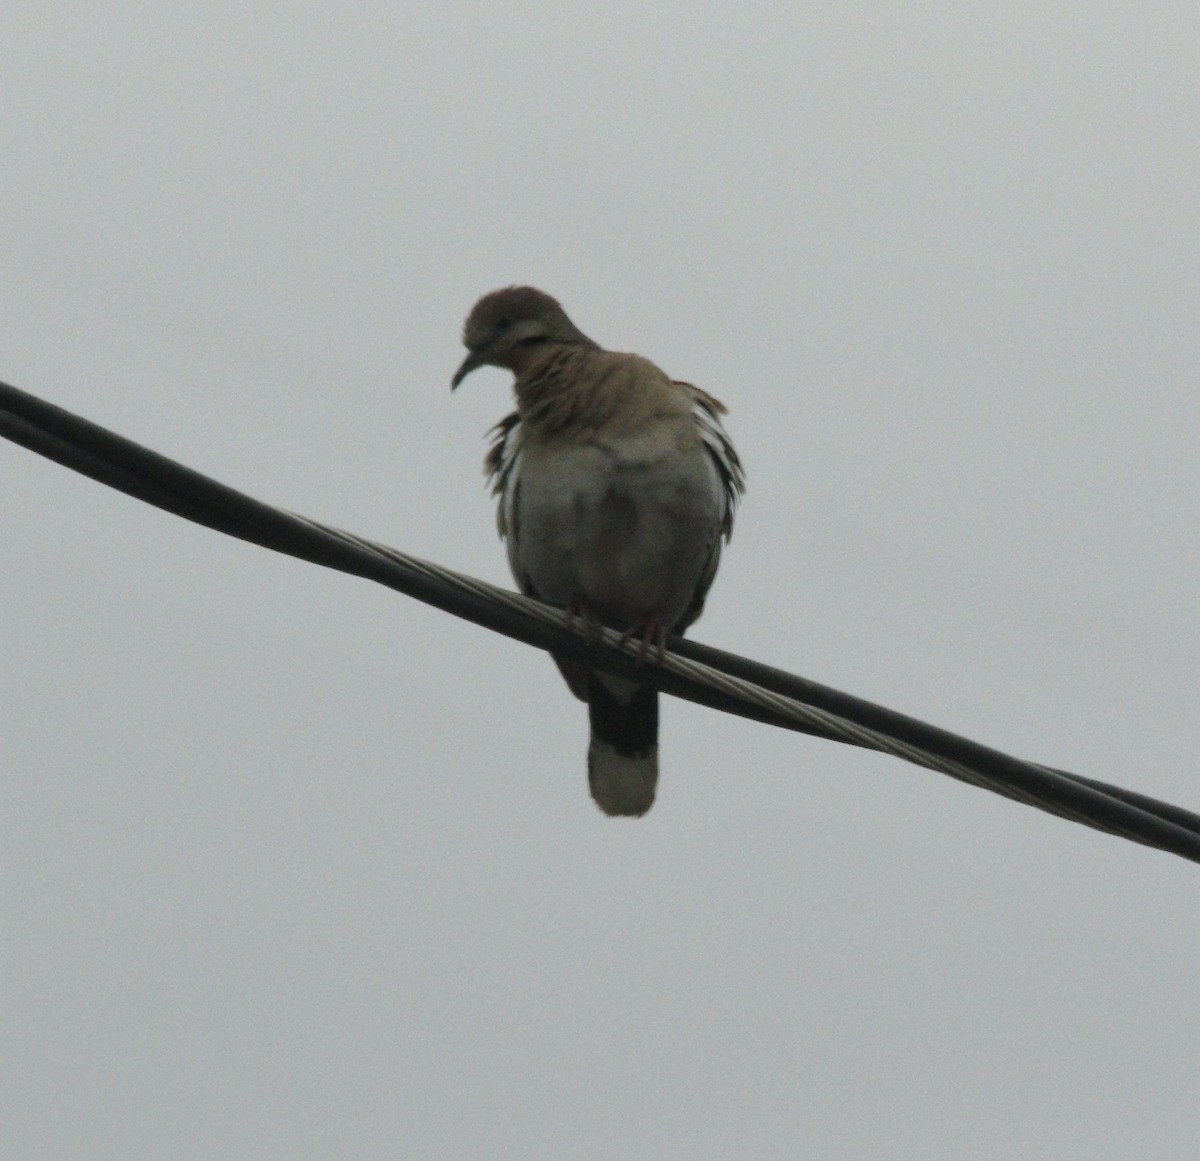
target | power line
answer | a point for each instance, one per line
(689, 670)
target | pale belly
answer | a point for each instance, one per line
(629, 536)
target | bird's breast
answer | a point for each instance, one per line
(626, 526)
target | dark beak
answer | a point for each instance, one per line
(471, 363)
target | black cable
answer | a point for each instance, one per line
(144, 474)
(139, 472)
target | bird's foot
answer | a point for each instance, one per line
(652, 636)
(580, 619)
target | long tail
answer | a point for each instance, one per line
(623, 753)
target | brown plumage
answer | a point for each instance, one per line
(617, 485)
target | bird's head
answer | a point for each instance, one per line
(507, 327)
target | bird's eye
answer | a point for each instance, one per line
(531, 340)
(502, 324)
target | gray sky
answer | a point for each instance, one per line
(295, 867)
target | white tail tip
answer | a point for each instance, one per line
(622, 785)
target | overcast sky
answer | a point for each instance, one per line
(296, 867)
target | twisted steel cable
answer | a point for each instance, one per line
(688, 669)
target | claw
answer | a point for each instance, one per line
(653, 636)
(580, 619)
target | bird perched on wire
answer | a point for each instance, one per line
(617, 485)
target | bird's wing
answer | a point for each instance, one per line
(502, 466)
(707, 412)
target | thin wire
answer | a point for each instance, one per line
(791, 712)
(691, 670)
